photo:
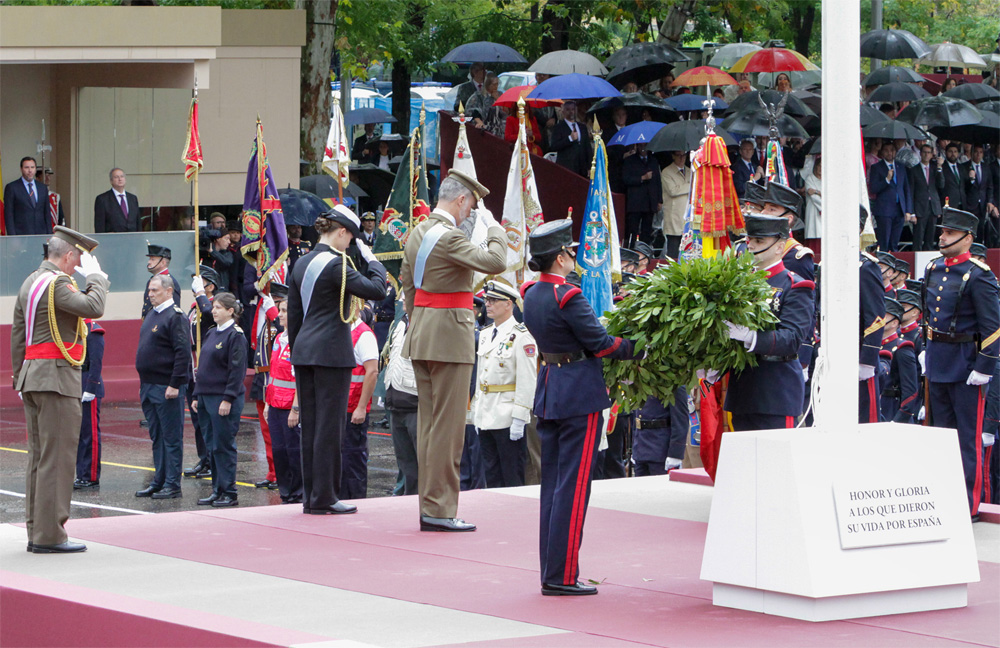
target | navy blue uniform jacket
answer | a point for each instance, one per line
(163, 356)
(871, 311)
(776, 386)
(93, 362)
(561, 320)
(222, 364)
(899, 395)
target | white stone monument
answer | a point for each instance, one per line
(840, 520)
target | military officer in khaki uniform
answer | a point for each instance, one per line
(48, 346)
(505, 388)
(437, 278)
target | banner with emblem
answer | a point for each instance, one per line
(265, 241)
(598, 251)
(337, 155)
(522, 210)
(407, 207)
(192, 157)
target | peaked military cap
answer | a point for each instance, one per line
(760, 225)
(755, 194)
(210, 275)
(154, 250)
(908, 297)
(343, 215)
(76, 239)
(957, 219)
(500, 290)
(278, 291)
(644, 249)
(368, 216)
(783, 196)
(903, 266)
(893, 308)
(629, 256)
(551, 237)
(886, 259)
(978, 249)
(916, 285)
(478, 189)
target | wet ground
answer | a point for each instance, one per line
(127, 461)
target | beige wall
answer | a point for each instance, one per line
(25, 100)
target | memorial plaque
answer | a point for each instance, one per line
(896, 507)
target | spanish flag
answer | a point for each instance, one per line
(192, 158)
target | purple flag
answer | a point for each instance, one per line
(265, 241)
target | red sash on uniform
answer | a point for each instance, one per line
(50, 351)
(442, 300)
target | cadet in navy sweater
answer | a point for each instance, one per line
(163, 361)
(219, 388)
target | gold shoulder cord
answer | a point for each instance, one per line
(81, 328)
(356, 302)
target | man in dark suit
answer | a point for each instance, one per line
(26, 203)
(360, 150)
(116, 210)
(477, 75)
(893, 204)
(927, 180)
(954, 187)
(643, 195)
(745, 168)
(978, 182)
(571, 141)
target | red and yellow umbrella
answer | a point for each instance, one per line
(773, 59)
(509, 98)
(703, 75)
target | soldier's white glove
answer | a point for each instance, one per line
(516, 430)
(87, 397)
(710, 376)
(805, 373)
(488, 219)
(266, 303)
(742, 334)
(197, 285)
(672, 463)
(89, 266)
(976, 379)
(366, 252)
(922, 414)
(865, 372)
(988, 439)
(921, 358)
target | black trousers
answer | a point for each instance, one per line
(868, 400)
(403, 425)
(924, 233)
(286, 447)
(88, 450)
(471, 474)
(322, 402)
(166, 431)
(354, 454)
(220, 435)
(199, 438)
(503, 459)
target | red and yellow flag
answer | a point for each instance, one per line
(192, 158)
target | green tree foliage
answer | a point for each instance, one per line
(967, 22)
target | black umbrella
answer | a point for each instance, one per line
(685, 136)
(661, 52)
(755, 122)
(376, 182)
(940, 111)
(812, 100)
(871, 115)
(639, 70)
(973, 92)
(886, 44)
(394, 140)
(748, 101)
(483, 52)
(300, 207)
(985, 132)
(892, 129)
(813, 124)
(898, 91)
(989, 106)
(325, 186)
(891, 74)
(635, 103)
(367, 116)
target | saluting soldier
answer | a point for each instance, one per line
(780, 200)
(48, 346)
(900, 401)
(570, 395)
(505, 388)
(962, 311)
(771, 395)
(158, 263)
(203, 286)
(437, 279)
(871, 310)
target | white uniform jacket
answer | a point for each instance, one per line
(505, 376)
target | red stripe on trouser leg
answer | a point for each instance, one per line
(579, 499)
(872, 402)
(977, 489)
(265, 433)
(789, 422)
(95, 443)
(987, 486)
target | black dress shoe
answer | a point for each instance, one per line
(168, 493)
(264, 483)
(975, 518)
(272, 486)
(205, 472)
(80, 484)
(339, 508)
(225, 500)
(445, 524)
(148, 492)
(195, 469)
(65, 547)
(207, 501)
(577, 589)
(292, 500)
(30, 545)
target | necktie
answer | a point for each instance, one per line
(927, 175)
(572, 128)
(494, 334)
(954, 170)
(121, 199)
(31, 193)
(979, 175)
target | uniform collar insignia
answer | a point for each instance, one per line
(552, 278)
(961, 258)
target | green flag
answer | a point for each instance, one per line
(407, 207)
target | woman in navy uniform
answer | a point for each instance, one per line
(899, 395)
(962, 312)
(770, 395)
(219, 388)
(569, 397)
(323, 286)
(203, 286)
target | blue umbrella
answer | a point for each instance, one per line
(574, 86)
(368, 116)
(483, 52)
(301, 207)
(637, 133)
(688, 101)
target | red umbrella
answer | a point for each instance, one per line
(509, 98)
(773, 59)
(703, 75)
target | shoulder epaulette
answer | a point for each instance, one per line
(178, 309)
(520, 327)
(798, 282)
(869, 257)
(904, 344)
(525, 286)
(802, 251)
(981, 264)
(235, 326)
(566, 296)
(930, 264)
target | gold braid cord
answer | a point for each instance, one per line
(81, 329)
(356, 302)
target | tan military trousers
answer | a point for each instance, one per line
(53, 434)
(442, 402)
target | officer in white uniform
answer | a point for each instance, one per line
(506, 373)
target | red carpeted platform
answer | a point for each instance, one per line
(648, 567)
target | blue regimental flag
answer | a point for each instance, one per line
(598, 261)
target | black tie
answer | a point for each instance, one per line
(494, 334)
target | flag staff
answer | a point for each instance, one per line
(197, 261)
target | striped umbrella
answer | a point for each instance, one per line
(773, 59)
(703, 75)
